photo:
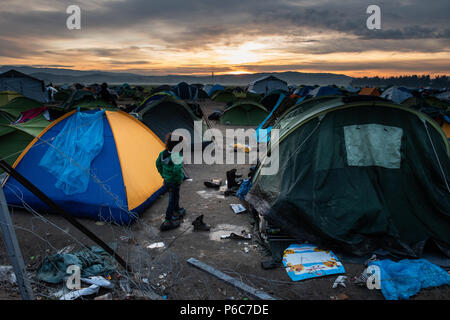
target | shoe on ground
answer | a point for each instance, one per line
(199, 225)
(169, 225)
(179, 214)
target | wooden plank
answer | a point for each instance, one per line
(237, 283)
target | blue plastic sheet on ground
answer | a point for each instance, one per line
(70, 155)
(403, 279)
(305, 261)
(244, 188)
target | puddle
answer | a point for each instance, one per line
(223, 230)
(210, 194)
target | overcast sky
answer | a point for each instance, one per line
(229, 36)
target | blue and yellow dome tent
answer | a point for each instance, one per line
(121, 178)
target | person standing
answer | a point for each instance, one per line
(170, 166)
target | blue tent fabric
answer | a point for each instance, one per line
(216, 87)
(303, 91)
(324, 91)
(105, 198)
(70, 155)
(244, 188)
(261, 135)
(403, 279)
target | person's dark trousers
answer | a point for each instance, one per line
(174, 198)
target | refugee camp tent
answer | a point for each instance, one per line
(86, 100)
(161, 88)
(14, 138)
(351, 89)
(185, 91)
(153, 97)
(303, 91)
(214, 88)
(168, 114)
(18, 105)
(223, 96)
(7, 96)
(95, 164)
(358, 176)
(26, 85)
(396, 94)
(266, 84)
(445, 96)
(244, 113)
(324, 91)
(270, 100)
(370, 92)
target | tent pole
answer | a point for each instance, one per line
(38, 193)
(13, 249)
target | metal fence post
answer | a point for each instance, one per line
(13, 249)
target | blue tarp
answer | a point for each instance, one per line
(403, 279)
(263, 135)
(70, 155)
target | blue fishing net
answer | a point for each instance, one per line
(70, 155)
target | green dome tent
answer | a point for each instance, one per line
(358, 176)
(244, 113)
(14, 138)
(223, 96)
(168, 114)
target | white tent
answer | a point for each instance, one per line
(396, 94)
(26, 85)
(444, 96)
(266, 84)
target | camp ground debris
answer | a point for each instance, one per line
(237, 208)
(238, 284)
(403, 279)
(308, 261)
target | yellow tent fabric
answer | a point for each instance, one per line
(7, 96)
(140, 176)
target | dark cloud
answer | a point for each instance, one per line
(312, 27)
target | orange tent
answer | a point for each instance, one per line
(370, 92)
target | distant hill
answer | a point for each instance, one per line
(69, 76)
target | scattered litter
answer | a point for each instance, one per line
(341, 296)
(125, 286)
(7, 274)
(244, 236)
(156, 245)
(107, 296)
(246, 249)
(66, 249)
(100, 223)
(99, 281)
(238, 208)
(189, 180)
(214, 183)
(93, 261)
(93, 289)
(241, 147)
(206, 195)
(340, 281)
(308, 261)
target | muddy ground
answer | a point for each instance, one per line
(165, 271)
